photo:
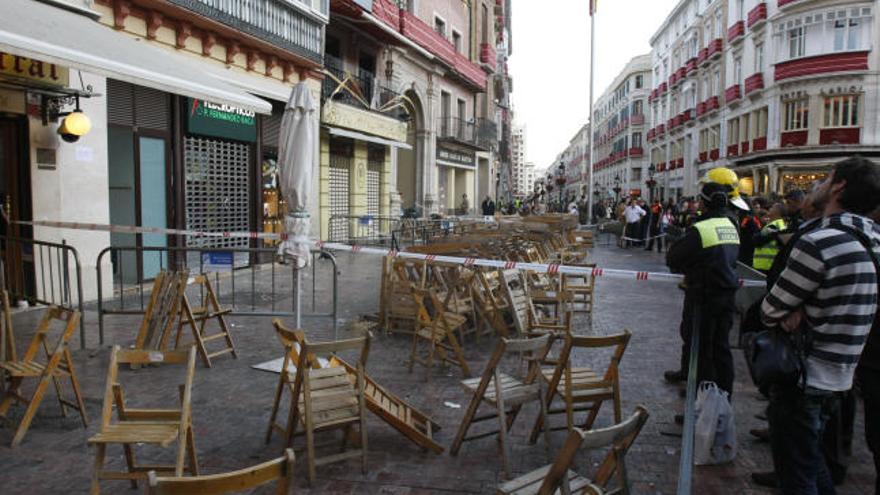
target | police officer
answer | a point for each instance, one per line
(707, 256)
(767, 240)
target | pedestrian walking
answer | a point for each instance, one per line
(707, 255)
(830, 273)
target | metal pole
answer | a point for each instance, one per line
(296, 296)
(590, 117)
(686, 461)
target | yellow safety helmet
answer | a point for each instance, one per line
(726, 177)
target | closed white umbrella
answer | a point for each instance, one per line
(296, 153)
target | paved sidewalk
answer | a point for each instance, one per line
(232, 402)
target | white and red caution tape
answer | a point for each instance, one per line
(552, 268)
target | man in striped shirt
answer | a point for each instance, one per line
(828, 290)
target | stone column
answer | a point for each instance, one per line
(357, 182)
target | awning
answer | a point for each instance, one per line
(40, 31)
(258, 85)
(455, 165)
(366, 137)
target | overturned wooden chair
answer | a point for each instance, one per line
(322, 397)
(506, 394)
(583, 389)
(559, 477)
(58, 364)
(198, 317)
(135, 426)
(417, 426)
(279, 470)
(436, 327)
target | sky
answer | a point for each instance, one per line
(550, 62)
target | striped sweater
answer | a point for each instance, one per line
(830, 276)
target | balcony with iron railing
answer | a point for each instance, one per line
(373, 96)
(757, 15)
(477, 133)
(291, 24)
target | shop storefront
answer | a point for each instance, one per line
(456, 175)
(358, 147)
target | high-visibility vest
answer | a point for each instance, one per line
(764, 255)
(717, 231)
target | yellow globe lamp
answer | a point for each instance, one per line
(77, 124)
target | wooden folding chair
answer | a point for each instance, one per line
(58, 364)
(162, 310)
(502, 391)
(280, 470)
(7, 336)
(490, 301)
(581, 388)
(560, 478)
(581, 289)
(209, 309)
(437, 327)
(326, 399)
(525, 315)
(161, 427)
(417, 426)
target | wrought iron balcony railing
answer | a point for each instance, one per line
(286, 24)
(363, 84)
(478, 133)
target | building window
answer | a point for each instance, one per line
(714, 137)
(456, 41)
(796, 42)
(841, 111)
(759, 123)
(637, 140)
(484, 27)
(440, 26)
(737, 70)
(846, 34)
(639, 82)
(716, 83)
(718, 24)
(796, 114)
(759, 57)
(637, 107)
(744, 128)
(704, 140)
(732, 132)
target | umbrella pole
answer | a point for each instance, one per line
(296, 298)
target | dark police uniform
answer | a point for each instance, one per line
(707, 256)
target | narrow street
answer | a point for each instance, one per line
(232, 401)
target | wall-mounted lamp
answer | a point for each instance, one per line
(75, 124)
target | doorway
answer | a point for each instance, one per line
(15, 194)
(138, 179)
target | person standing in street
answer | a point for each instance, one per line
(488, 207)
(633, 214)
(707, 256)
(766, 242)
(465, 205)
(827, 293)
(654, 226)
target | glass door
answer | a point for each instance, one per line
(153, 204)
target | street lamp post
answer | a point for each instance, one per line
(560, 181)
(651, 182)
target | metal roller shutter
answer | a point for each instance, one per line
(339, 176)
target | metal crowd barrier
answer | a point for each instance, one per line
(364, 230)
(421, 231)
(130, 292)
(41, 272)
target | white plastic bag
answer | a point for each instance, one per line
(715, 430)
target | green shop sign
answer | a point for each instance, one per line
(218, 120)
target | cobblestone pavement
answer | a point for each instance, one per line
(232, 402)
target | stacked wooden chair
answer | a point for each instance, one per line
(322, 398)
(504, 393)
(58, 365)
(436, 327)
(139, 426)
(491, 301)
(279, 470)
(397, 308)
(583, 389)
(560, 477)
